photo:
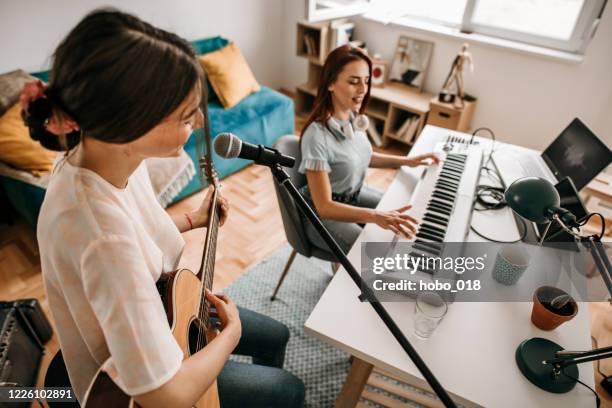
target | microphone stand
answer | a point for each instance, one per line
(283, 179)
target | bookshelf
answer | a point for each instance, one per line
(390, 107)
(313, 41)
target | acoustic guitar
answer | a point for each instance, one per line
(188, 312)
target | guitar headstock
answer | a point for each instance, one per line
(207, 166)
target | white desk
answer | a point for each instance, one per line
(472, 351)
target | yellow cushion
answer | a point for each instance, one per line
(229, 75)
(17, 147)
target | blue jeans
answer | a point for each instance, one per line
(263, 383)
(345, 233)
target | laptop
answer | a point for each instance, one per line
(577, 153)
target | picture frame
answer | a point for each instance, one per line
(410, 62)
(380, 72)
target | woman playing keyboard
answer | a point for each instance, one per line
(336, 154)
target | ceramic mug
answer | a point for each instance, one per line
(510, 263)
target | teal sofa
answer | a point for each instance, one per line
(260, 118)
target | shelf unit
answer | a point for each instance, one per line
(448, 116)
(389, 107)
(319, 46)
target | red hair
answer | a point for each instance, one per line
(334, 64)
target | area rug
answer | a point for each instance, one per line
(322, 367)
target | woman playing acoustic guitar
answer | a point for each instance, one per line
(122, 91)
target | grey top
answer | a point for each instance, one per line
(345, 159)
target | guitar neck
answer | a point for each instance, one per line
(207, 268)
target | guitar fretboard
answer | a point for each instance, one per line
(207, 269)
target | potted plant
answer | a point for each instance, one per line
(551, 307)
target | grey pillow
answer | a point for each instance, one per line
(11, 84)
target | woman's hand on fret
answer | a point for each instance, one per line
(396, 221)
(422, 160)
(200, 216)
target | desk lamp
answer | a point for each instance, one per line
(537, 200)
(540, 360)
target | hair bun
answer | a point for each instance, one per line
(39, 111)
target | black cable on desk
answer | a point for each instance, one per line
(597, 399)
(598, 361)
(603, 223)
(490, 197)
(523, 235)
(492, 135)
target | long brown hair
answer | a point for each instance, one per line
(334, 64)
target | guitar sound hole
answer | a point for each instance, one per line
(194, 329)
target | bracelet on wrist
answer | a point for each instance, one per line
(189, 221)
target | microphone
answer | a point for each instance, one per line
(230, 146)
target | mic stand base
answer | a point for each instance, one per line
(283, 179)
(530, 355)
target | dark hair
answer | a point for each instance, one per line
(334, 64)
(117, 77)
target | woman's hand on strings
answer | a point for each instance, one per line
(225, 310)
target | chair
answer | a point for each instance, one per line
(57, 376)
(290, 213)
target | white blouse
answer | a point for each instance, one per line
(102, 250)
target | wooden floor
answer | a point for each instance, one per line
(253, 231)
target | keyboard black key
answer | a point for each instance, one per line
(448, 176)
(443, 221)
(455, 158)
(445, 189)
(442, 204)
(441, 187)
(428, 236)
(430, 231)
(433, 227)
(417, 255)
(426, 249)
(447, 183)
(443, 195)
(437, 208)
(453, 165)
(459, 156)
(439, 223)
(433, 246)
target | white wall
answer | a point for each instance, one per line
(525, 99)
(31, 29)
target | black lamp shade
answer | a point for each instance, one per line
(533, 198)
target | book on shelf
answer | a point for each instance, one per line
(404, 128)
(341, 32)
(375, 136)
(310, 43)
(411, 132)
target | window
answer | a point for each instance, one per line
(565, 25)
(446, 12)
(317, 10)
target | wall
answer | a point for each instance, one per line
(30, 29)
(525, 99)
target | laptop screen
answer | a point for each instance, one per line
(577, 153)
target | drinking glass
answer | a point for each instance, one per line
(429, 310)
